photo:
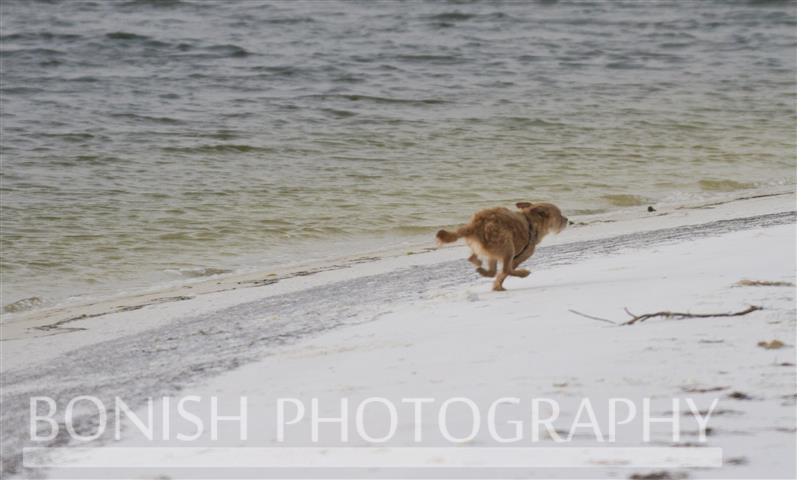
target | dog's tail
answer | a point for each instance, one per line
(444, 236)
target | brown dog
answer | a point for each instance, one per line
(501, 234)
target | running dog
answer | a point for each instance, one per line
(501, 234)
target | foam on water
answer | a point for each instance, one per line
(149, 141)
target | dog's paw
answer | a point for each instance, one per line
(521, 272)
(499, 288)
(485, 273)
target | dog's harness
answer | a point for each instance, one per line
(528, 244)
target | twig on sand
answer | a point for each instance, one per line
(667, 314)
(679, 315)
(594, 318)
(762, 283)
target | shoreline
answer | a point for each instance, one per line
(60, 318)
(406, 320)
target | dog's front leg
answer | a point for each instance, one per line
(520, 272)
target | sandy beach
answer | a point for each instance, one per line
(423, 324)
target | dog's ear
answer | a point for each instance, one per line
(522, 205)
(541, 211)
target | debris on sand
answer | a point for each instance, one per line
(771, 345)
(739, 396)
(762, 283)
(678, 315)
(701, 389)
(660, 475)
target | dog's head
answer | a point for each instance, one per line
(545, 216)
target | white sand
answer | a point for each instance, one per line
(425, 326)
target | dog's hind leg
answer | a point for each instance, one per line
(498, 286)
(491, 272)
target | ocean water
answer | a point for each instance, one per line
(150, 141)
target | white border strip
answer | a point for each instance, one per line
(369, 457)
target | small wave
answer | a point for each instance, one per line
(711, 185)
(155, 3)
(174, 236)
(212, 51)
(624, 66)
(289, 20)
(148, 119)
(30, 52)
(763, 3)
(339, 113)
(228, 50)
(51, 63)
(220, 148)
(387, 100)
(92, 160)
(200, 272)
(279, 70)
(71, 137)
(22, 305)
(83, 79)
(126, 36)
(223, 135)
(348, 78)
(625, 200)
(529, 122)
(451, 17)
(676, 45)
(363, 176)
(432, 59)
(43, 36)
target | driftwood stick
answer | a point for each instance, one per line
(679, 315)
(667, 314)
(594, 318)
